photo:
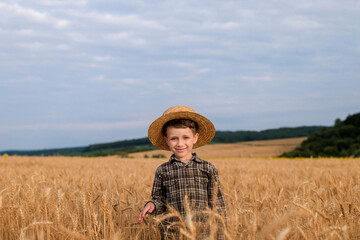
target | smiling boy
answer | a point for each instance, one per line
(179, 130)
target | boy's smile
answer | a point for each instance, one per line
(181, 142)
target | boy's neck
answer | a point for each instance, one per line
(184, 159)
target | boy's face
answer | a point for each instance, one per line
(181, 142)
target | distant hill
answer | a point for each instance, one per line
(246, 149)
(278, 133)
(341, 140)
(123, 148)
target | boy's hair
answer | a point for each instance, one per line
(181, 123)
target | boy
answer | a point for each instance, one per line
(180, 129)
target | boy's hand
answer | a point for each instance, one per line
(149, 208)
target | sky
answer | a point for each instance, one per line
(74, 73)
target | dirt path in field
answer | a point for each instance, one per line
(266, 148)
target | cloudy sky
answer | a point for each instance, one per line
(73, 73)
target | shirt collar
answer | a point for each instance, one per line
(194, 158)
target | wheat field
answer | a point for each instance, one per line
(100, 198)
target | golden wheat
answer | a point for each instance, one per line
(101, 198)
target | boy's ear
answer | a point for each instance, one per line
(196, 137)
(166, 139)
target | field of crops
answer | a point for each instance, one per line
(100, 198)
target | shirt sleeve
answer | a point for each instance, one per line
(158, 194)
(213, 187)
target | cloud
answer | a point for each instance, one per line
(180, 38)
(26, 32)
(221, 26)
(118, 36)
(34, 15)
(23, 80)
(62, 47)
(100, 78)
(131, 81)
(102, 58)
(117, 83)
(165, 87)
(191, 67)
(34, 46)
(61, 23)
(125, 37)
(63, 3)
(265, 78)
(78, 37)
(27, 12)
(302, 23)
(128, 20)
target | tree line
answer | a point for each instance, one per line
(124, 147)
(340, 140)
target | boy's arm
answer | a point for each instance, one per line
(157, 194)
(213, 188)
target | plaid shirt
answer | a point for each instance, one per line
(196, 179)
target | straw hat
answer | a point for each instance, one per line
(206, 128)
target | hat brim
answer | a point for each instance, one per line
(206, 129)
